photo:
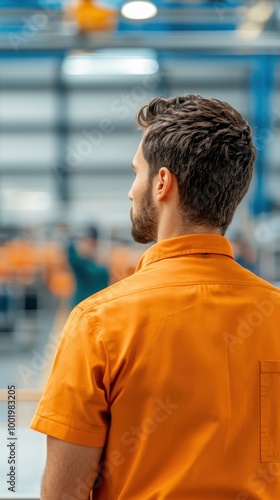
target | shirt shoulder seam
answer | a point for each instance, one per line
(132, 292)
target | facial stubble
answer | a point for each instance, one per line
(145, 222)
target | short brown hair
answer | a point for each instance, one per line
(208, 146)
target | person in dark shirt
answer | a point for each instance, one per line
(90, 276)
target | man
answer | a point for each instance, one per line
(167, 383)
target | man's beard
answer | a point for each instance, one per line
(145, 223)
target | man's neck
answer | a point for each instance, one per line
(165, 233)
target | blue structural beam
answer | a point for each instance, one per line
(31, 4)
(262, 87)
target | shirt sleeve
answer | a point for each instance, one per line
(75, 403)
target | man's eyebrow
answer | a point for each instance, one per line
(133, 166)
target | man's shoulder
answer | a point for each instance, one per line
(130, 286)
(251, 279)
(143, 286)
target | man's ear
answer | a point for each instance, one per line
(164, 183)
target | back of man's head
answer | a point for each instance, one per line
(208, 146)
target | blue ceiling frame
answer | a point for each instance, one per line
(187, 21)
(31, 4)
(224, 4)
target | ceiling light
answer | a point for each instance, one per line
(111, 63)
(16, 199)
(139, 10)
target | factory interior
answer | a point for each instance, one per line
(72, 76)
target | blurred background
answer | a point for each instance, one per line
(72, 76)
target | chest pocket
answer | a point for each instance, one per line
(270, 410)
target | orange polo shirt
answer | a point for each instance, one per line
(176, 371)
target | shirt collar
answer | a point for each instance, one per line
(186, 245)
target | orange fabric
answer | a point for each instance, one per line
(24, 258)
(62, 283)
(57, 272)
(168, 369)
(6, 267)
(53, 257)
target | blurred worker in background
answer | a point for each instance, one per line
(166, 384)
(90, 276)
